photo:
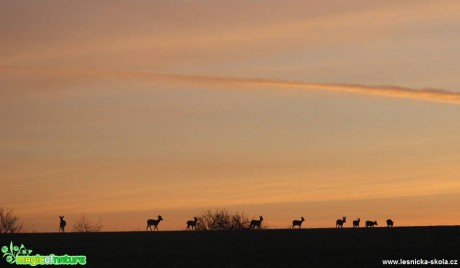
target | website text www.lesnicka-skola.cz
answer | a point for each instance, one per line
(420, 262)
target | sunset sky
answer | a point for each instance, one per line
(124, 110)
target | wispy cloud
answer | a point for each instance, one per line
(435, 95)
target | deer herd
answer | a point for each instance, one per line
(256, 224)
(191, 224)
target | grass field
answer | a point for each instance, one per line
(266, 248)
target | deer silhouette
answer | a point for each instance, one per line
(155, 223)
(298, 223)
(62, 224)
(256, 223)
(191, 224)
(390, 223)
(339, 223)
(371, 223)
(356, 223)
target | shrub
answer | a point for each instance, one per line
(9, 222)
(222, 219)
(85, 226)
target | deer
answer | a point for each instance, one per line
(155, 223)
(371, 223)
(256, 223)
(390, 223)
(191, 224)
(62, 224)
(339, 223)
(356, 223)
(298, 223)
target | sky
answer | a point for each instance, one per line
(125, 110)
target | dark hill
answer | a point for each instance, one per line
(267, 248)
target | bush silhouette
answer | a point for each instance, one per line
(9, 222)
(85, 226)
(222, 219)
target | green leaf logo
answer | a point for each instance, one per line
(14, 251)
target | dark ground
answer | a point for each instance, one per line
(267, 248)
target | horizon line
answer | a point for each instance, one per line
(241, 230)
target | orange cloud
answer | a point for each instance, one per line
(435, 95)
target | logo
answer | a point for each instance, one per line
(21, 256)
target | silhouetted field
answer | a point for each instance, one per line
(266, 248)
